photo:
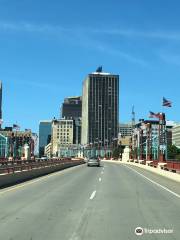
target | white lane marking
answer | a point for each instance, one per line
(92, 195)
(100, 179)
(29, 182)
(163, 187)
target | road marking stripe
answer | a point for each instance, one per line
(99, 179)
(92, 195)
(150, 180)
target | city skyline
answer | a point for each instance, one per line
(46, 55)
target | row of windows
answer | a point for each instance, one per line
(64, 127)
(63, 130)
(62, 134)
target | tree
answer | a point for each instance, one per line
(173, 152)
(117, 152)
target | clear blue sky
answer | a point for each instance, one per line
(48, 47)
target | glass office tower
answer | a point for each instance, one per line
(44, 135)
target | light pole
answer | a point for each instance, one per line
(155, 146)
(105, 147)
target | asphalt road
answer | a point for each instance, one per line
(91, 203)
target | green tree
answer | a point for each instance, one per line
(173, 152)
(117, 152)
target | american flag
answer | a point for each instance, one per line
(166, 103)
(27, 130)
(15, 126)
(153, 115)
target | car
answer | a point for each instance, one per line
(44, 158)
(93, 162)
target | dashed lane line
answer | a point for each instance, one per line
(92, 195)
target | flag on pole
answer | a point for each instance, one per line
(15, 126)
(153, 115)
(27, 130)
(166, 103)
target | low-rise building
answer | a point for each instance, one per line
(176, 135)
(125, 129)
(16, 144)
(48, 150)
(62, 135)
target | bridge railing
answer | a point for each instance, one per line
(27, 165)
(169, 165)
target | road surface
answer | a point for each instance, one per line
(91, 203)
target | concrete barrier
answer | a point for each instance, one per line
(21, 176)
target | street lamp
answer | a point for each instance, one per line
(105, 146)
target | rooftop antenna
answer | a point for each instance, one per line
(133, 117)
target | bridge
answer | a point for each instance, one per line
(82, 202)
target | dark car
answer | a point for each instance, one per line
(93, 162)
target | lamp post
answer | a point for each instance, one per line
(99, 152)
(105, 147)
(155, 147)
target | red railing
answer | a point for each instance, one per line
(170, 165)
(22, 165)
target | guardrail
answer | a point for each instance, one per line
(14, 172)
(7, 167)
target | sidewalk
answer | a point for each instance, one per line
(170, 175)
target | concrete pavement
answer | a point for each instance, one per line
(89, 204)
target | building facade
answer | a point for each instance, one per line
(176, 135)
(44, 135)
(48, 150)
(16, 144)
(4, 146)
(0, 103)
(72, 109)
(147, 139)
(100, 108)
(62, 135)
(125, 129)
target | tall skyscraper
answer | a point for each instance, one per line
(44, 135)
(0, 102)
(100, 108)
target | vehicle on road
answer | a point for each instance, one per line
(93, 162)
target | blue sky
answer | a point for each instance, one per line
(48, 47)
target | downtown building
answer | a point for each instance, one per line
(125, 133)
(100, 108)
(16, 144)
(62, 137)
(0, 104)
(176, 135)
(72, 109)
(146, 138)
(44, 135)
